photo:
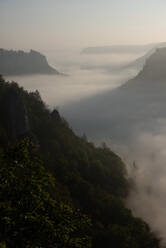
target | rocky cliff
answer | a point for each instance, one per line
(22, 63)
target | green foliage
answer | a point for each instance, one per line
(74, 175)
(29, 215)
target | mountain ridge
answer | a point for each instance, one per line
(121, 48)
(134, 106)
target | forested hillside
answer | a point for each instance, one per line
(58, 189)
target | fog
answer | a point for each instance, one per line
(144, 153)
(148, 197)
(145, 158)
(130, 118)
(92, 95)
(85, 76)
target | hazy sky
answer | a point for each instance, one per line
(55, 24)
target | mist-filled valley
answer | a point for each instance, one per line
(84, 75)
(131, 119)
(107, 99)
(82, 124)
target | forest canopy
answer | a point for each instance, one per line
(58, 189)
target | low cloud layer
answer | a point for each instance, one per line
(148, 197)
(128, 123)
(86, 76)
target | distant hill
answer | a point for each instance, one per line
(153, 72)
(121, 48)
(132, 108)
(22, 63)
(140, 62)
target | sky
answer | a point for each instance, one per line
(67, 24)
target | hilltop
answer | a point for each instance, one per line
(24, 63)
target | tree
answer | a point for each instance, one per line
(29, 215)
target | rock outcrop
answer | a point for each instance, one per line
(22, 63)
(55, 115)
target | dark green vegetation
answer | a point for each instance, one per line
(58, 189)
(30, 216)
(22, 63)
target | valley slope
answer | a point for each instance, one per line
(59, 190)
(132, 108)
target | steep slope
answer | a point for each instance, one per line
(134, 107)
(91, 180)
(22, 63)
(140, 62)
